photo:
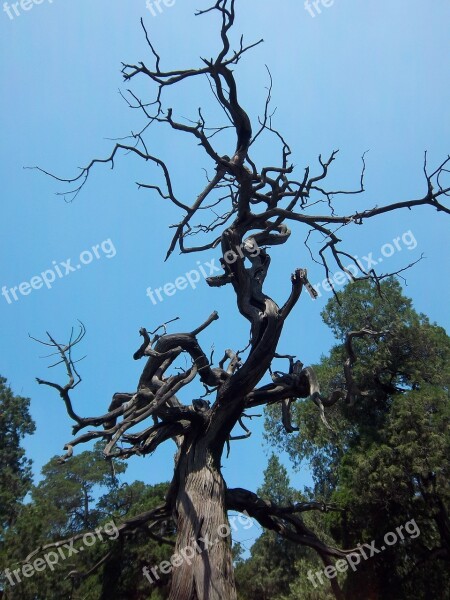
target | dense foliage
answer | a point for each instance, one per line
(84, 495)
(15, 468)
(387, 460)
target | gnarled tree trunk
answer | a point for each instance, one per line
(203, 533)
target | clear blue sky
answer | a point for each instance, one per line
(359, 76)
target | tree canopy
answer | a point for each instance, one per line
(15, 467)
(385, 459)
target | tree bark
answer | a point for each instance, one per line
(203, 533)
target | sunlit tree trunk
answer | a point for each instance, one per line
(203, 545)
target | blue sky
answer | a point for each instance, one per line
(359, 76)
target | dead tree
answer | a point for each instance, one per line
(253, 207)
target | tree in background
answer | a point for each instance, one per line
(272, 565)
(243, 210)
(68, 501)
(386, 460)
(15, 468)
(68, 489)
(277, 569)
